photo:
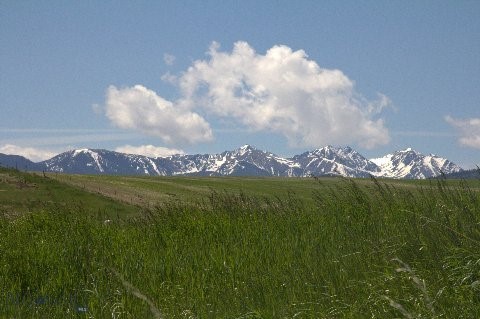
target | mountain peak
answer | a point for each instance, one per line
(329, 147)
(248, 161)
(408, 150)
(246, 147)
(75, 152)
(409, 163)
(329, 150)
(332, 160)
(324, 150)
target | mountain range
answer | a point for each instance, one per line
(244, 161)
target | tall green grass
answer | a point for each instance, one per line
(363, 250)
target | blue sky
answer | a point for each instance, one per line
(209, 76)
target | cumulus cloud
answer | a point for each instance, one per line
(33, 154)
(281, 91)
(149, 150)
(469, 130)
(286, 93)
(141, 109)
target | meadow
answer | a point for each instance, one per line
(189, 247)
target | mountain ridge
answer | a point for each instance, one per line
(244, 161)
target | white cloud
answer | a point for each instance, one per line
(148, 150)
(142, 109)
(284, 92)
(169, 59)
(169, 78)
(280, 92)
(33, 154)
(469, 130)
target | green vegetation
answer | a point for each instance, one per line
(150, 191)
(246, 248)
(24, 192)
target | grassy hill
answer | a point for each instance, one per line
(238, 248)
(151, 191)
(22, 192)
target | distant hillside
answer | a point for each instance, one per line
(467, 174)
(20, 162)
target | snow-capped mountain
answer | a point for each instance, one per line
(335, 161)
(244, 161)
(91, 161)
(411, 164)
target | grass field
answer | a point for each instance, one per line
(150, 191)
(139, 247)
(24, 192)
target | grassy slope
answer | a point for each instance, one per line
(150, 191)
(342, 248)
(24, 192)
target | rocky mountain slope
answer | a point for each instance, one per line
(244, 161)
(411, 164)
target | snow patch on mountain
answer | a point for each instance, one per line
(338, 161)
(413, 165)
(250, 161)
